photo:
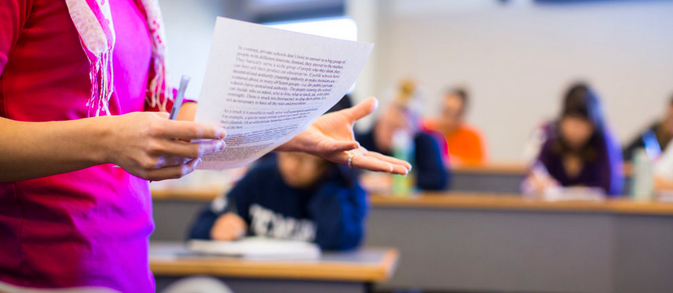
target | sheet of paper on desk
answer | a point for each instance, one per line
(258, 248)
(266, 85)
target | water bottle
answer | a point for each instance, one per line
(403, 149)
(642, 187)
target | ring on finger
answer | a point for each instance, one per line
(349, 163)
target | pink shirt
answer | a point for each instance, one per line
(89, 227)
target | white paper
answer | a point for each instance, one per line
(258, 248)
(265, 86)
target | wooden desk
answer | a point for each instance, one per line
(466, 200)
(203, 195)
(516, 202)
(495, 178)
(502, 178)
(512, 168)
(492, 168)
(501, 243)
(335, 272)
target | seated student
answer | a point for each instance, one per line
(295, 196)
(465, 143)
(579, 149)
(430, 169)
(661, 131)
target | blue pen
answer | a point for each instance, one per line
(178, 99)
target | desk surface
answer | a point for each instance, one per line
(503, 168)
(363, 265)
(493, 168)
(186, 194)
(464, 200)
(517, 202)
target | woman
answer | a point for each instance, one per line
(77, 148)
(579, 150)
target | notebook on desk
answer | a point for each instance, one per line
(258, 248)
(576, 193)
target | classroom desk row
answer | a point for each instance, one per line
(514, 168)
(500, 242)
(350, 272)
(501, 178)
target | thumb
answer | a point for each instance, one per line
(362, 109)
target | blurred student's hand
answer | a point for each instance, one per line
(375, 182)
(228, 227)
(538, 184)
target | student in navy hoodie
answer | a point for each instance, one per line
(295, 196)
(292, 196)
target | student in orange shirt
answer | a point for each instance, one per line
(465, 143)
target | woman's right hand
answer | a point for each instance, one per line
(148, 145)
(538, 184)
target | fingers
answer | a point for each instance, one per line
(188, 130)
(394, 168)
(362, 109)
(228, 227)
(374, 161)
(172, 172)
(175, 153)
(224, 232)
(371, 164)
(191, 150)
(394, 161)
(167, 161)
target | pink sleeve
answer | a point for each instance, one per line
(13, 15)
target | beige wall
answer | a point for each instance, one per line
(189, 30)
(518, 59)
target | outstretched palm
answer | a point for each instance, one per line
(331, 136)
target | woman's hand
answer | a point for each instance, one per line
(331, 136)
(228, 227)
(150, 146)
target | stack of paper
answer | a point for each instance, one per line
(577, 193)
(258, 248)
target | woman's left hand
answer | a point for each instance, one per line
(331, 137)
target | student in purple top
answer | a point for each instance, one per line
(579, 150)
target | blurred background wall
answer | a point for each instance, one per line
(189, 30)
(516, 57)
